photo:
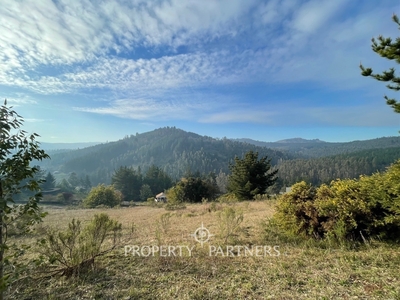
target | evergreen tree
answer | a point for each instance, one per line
(157, 180)
(50, 182)
(128, 182)
(250, 176)
(87, 183)
(390, 50)
(73, 180)
(145, 192)
(65, 186)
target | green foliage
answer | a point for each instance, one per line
(261, 197)
(128, 181)
(174, 199)
(192, 189)
(317, 148)
(229, 220)
(351, 165)
(344, 209)
(296, 213)
(174, 206)
(20, 224)
(50, 182)
(17, 151)
(73, 180)
(228, 198)
(389, 49)
(157, 180)
(136, 187)
(250, 176)
(73, 252)
(175, 194)
(145, 192)
(103, 195)
(174, 151)
(170, 149)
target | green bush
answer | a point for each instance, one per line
(103, 195)
(228, 198)
(296, 212)
(344, 209)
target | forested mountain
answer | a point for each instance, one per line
(173, 150)
(317, 148)
(325, 169)
(177, 152)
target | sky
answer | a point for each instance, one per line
(96, 71)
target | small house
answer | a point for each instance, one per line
(161, 197)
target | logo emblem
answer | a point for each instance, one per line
(202, 235)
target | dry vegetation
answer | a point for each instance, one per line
(304, 270)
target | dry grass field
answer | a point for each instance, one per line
(302, 270)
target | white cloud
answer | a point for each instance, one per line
(42, 32)
(63, 47)
(314, 14)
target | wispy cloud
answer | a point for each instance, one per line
(149, 109)
(165, 60)
(74, 42)
(314, 14)
(17, 99)
(34, 120)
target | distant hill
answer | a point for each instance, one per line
(316, 148)
(174, 150)
(325, 169)
(178, 152)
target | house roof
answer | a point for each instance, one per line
(160, 195)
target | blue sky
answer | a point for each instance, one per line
(95, 71)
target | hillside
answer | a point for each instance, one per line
(176, 152)
(317, 148)
(172, 149)
(324, 169)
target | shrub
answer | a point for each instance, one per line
(103, 195)
(261, 197)
(229, 223)
(346, 209)
(73, 251)
(228, 198)
(174, 206)
(296, 212)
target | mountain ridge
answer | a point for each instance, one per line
(174, 150)
(316, 148)
(178, 152)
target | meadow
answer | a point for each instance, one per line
(297, 269)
